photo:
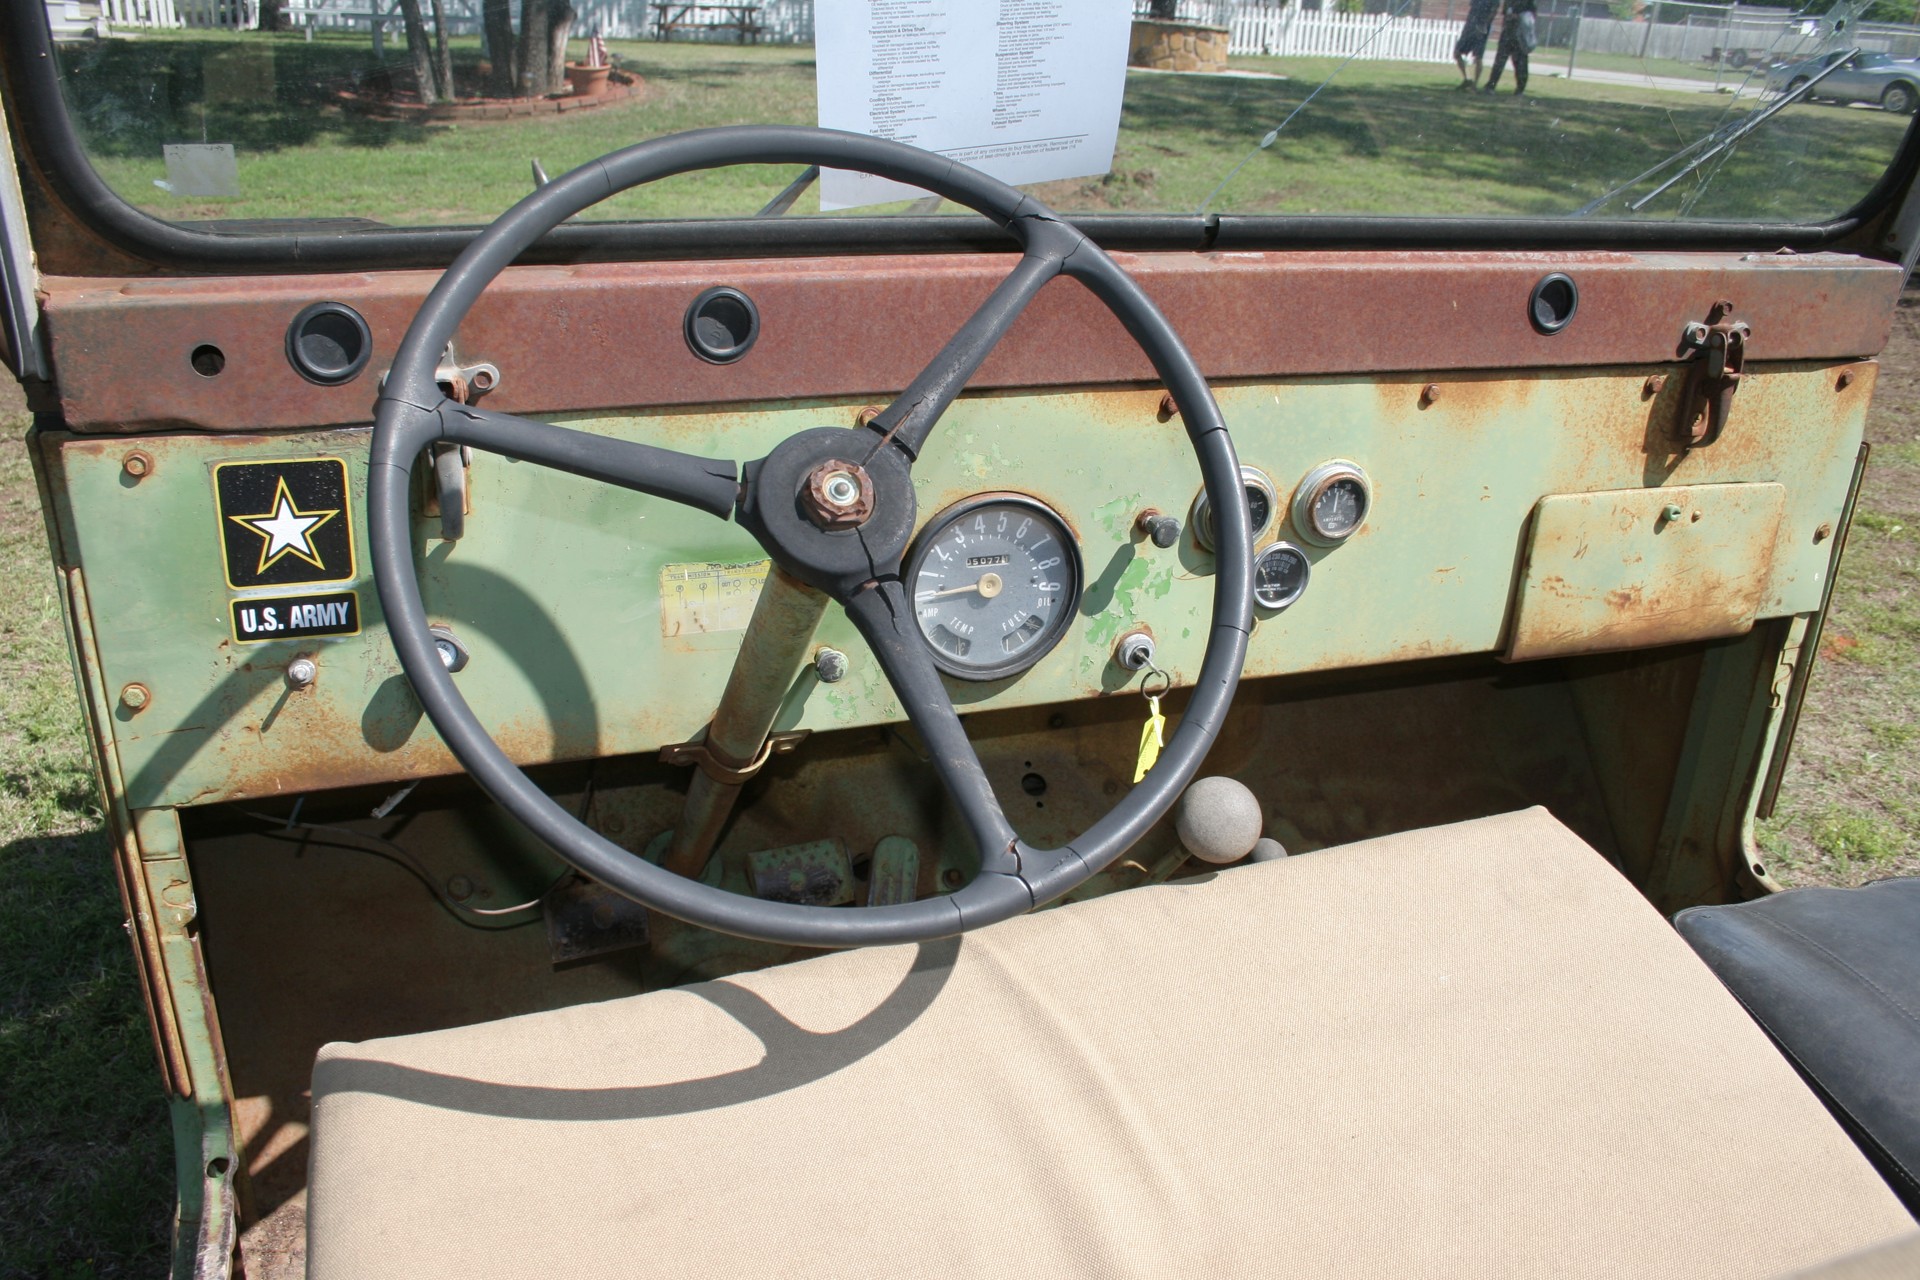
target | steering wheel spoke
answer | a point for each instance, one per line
(707, 484)
(910, 419)
(883, 614)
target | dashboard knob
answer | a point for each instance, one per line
(1218, 820)
(1161, 529)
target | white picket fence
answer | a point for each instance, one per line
(1258, 26)
(1310, 33)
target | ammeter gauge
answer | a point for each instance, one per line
(1262, 500)
(1331, 503)
(1280, 574)
(995, 581)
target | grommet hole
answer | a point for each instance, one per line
(208, 360)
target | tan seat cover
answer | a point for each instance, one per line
(1467, 1051)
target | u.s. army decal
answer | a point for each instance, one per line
(284, 522)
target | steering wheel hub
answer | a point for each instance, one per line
(839, 495)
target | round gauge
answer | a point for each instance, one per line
(1280, 574)
(995, 580)
(1331, 503)
(1262, 498)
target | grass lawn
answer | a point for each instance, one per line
(1383, 138)
(1850, 808)
(86, 1159)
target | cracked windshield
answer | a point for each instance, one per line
(242, 114)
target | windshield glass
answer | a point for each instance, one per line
(245, 115)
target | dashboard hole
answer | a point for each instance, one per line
(208, 360)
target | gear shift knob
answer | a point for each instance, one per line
(1218, 819)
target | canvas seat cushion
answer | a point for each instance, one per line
(1470, 1050)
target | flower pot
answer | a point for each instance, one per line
(587, 82)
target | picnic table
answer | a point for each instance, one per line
(676, 15)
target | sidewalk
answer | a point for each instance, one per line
(1679, 84)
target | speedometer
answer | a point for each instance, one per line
(995, 580)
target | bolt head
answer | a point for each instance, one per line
(1671, 512)
(302, 672)
(137, 464)
(830, 665)
(839, 495)
(1429, 393)
(135, 697)
(1824, 532)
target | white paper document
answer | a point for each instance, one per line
(1026, 90)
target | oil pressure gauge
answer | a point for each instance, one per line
(995, 581)
(1280, 575)
(1331, 503)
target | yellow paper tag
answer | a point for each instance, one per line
(1151, 739)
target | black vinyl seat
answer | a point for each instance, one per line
(1833, 975)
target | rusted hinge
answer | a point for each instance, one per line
(1720, 350)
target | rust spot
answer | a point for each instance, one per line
(1626, 599)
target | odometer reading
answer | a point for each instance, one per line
(995, 581)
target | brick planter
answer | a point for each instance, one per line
(1178, 46)
(388, 107)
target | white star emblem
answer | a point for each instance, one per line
(286, 529)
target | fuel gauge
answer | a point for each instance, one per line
(1280, 574)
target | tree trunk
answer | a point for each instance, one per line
(273, 15)
(559, 27)
(419, 50)
(497, 16)
(442, 59)
(534, 66)
(1163, 10)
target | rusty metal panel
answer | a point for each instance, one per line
(608, 335)
(1637, 568)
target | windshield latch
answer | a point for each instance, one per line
(1719, 348)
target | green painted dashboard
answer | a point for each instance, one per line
(603, 622)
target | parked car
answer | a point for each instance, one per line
(1892, 83)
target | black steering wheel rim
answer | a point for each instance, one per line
(412, 413)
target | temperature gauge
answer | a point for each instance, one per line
(1331, 503)
(1280, 574)
(1261, 501)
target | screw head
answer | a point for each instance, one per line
(830, 665)
(1844, 381)
(137, 464)
(1671, 512)
(135, 697)
(1168, 409)
(1654, 385)
(1429, 393)
(302, 672)
(1824, 532)
(459, 888)
(839, 495)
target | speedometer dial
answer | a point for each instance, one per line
(995, 580)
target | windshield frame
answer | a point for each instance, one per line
(53, 148)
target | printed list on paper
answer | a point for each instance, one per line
(1026, 90)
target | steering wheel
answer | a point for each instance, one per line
(833, 507)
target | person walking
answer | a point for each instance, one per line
(1516, 42)
(1473, 41)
